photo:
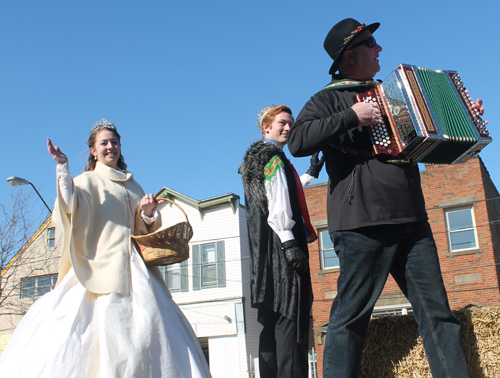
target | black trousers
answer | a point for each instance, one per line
(280, 356)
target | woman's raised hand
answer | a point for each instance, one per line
(56, 153)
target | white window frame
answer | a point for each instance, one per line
(219, 265)
(167, 271)
(450, 232)
(324, 233)
(207, 266)
(51, 237)
(182, 270)
(31, 286)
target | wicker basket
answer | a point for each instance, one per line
(167, 246)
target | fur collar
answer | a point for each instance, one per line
(252, 171)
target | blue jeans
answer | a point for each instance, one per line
(366, 257)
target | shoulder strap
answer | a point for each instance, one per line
(349, 83)
(353, 151)
(369, 155)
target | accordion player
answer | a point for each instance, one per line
(427, 117)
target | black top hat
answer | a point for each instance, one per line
(341, 35)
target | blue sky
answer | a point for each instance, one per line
(184, 81)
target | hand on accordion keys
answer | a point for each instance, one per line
(479, 108)
(368, 113)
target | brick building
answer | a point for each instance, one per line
(464, 212)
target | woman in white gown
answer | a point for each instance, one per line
(109, 315)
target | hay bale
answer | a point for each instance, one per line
(480, 328)
(393, 347)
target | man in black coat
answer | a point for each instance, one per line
(279, 230)
(376, 214)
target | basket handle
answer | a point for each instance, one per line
(163, 199)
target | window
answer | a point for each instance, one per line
(51, 237)
(175, 276)
(209, 269)
(32, 287)
(461, 229)
(329, 258)
(208, 265)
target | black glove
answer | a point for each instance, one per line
(296, 258)
(316, 165)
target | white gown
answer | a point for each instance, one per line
(71, 332)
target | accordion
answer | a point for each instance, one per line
(427, 117)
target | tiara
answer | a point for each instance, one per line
(262, 114)
(103, 123)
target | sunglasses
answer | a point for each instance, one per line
(370, 42)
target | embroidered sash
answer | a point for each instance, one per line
(310, 233)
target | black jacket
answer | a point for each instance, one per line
(273, 284)
(362, 191)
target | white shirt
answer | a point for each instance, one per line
(278, 199)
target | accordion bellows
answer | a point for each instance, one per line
(428, 117)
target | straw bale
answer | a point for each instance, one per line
(393, 347)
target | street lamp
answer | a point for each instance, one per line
(17, 181)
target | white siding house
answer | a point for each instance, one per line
(212, 287)
(30, 273)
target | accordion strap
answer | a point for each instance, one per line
(348, 83)
(353, 151)
(356, 151)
